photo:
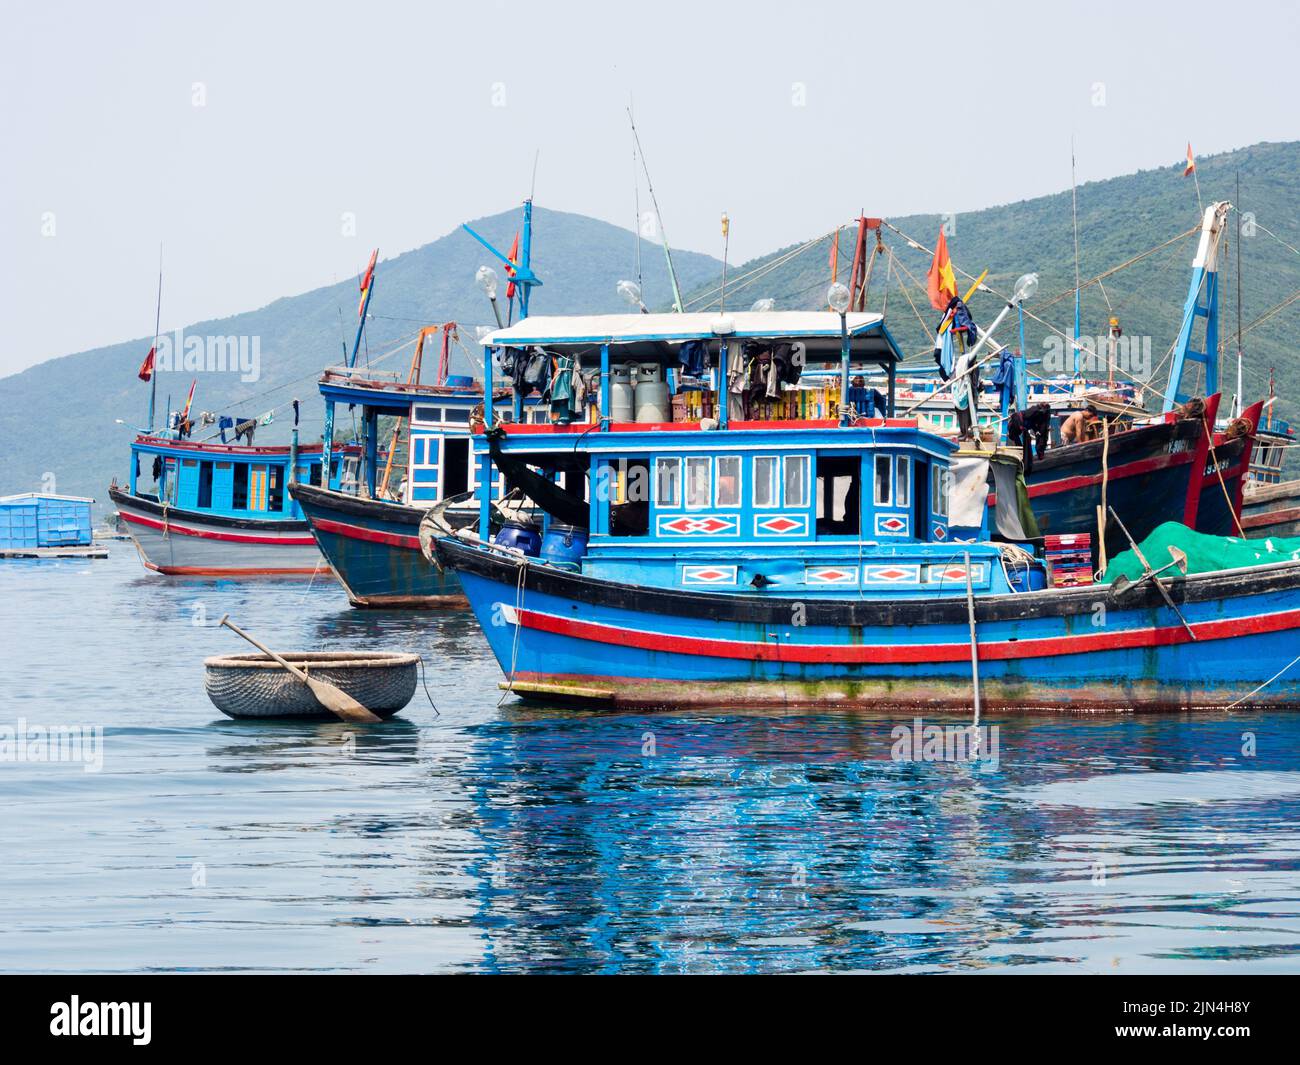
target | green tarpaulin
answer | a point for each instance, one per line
(1205, 553)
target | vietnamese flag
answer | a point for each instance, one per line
(941, 282)
(1190, 168)
(146, 367)
(366, 279)
(514, 258)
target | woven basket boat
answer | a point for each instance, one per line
(254, 685)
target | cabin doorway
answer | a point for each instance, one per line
(455, 465)
(839, 495)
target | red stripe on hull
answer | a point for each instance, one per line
(207, 534)
(1133, 469)
(232, 571)
(907, 654)
(374, 536)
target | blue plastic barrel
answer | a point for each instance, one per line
(519, 535)
(564, 544)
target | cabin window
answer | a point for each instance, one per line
(765, 467)
(457, 414)
(728, 481)
(314, 476)
(884, 476)
(699, 474)
(668, 482)
(239, 496)
(275, 494)
(796, 481)
(903, 481)
(939, 496)
(427, 414)
(205, 486)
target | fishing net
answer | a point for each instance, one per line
(1205, 553)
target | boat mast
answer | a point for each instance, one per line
(157, 321)
(1074, 200)
(1237, 403)
(663, 233)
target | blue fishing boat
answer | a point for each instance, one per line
(206, 508)
(371, 537)
(848, 560)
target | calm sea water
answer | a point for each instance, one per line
(503, 838)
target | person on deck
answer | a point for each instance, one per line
(1076, 428)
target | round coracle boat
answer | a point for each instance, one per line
(256, 686)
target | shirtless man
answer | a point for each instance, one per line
(1074, 429)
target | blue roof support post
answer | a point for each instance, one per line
(485, 459)
(135, 465)
(1022, 369)
(605, 391)
(844, 370)
(724, 395)
(372, 448)
(327, 443)
(891, 372)
(1202, 302)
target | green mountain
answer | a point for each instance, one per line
(1119, 219)
(59, 417)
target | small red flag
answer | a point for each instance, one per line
(514, 258)
(1191, 161)
(146, 367)
(369, 275)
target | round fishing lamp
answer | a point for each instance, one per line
(1026, 287)
(631, 292)
(837, 296)
(486, 279)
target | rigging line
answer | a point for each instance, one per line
(744, 279)
(1277, 238)
(294, 381)
(663, 232)
(907, 296)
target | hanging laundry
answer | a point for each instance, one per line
(694, 357)
(964, 391)
(267, 418)
(945, 356)
(1004, 379)
(223, 423)
(245, 428)
(562, 391)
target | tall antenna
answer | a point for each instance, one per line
(1074, 200)
(636, 199)
(532, 187)
(668, 255)
(1237, 405)
(157, 324)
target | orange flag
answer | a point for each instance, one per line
(366, 279)
(1191, 161)
(146, 367)
(941, 282)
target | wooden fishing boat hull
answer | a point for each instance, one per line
(1152, 474)
(562, 636)
(374, 548)
(181, 542)
(1272, 510)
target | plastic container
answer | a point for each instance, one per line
(1033, 579)
(564, 544)
(459, 380)
(653, 403)
(621, 390)
(517, 534)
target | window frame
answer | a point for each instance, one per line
(876, 499)
(707, 502)
(676, 462)
(806, 460)
(717, 481)
(902, 481)
(774, 482)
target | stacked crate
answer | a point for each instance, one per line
(1069, 559)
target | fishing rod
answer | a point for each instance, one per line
(663, 233)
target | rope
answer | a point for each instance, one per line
(1219, 473)
(1249, 695)
(519, 625)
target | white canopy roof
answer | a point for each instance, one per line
(820, 328)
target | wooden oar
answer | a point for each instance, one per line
(1151, 574)
(339, 702)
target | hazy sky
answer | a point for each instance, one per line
(239, 134)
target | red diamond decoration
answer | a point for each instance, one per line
(892, 524)
(781, 525)
(890, 574)
(940, 533)
(709, 575)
